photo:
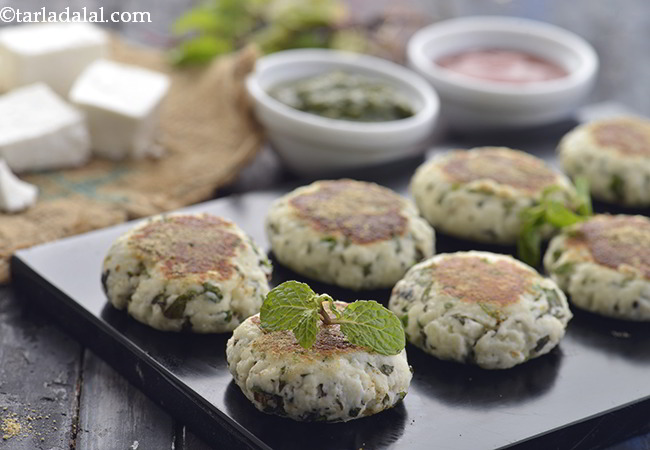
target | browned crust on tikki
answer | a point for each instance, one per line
(475, 279)
(188, 245)
(362, 212)
(615, 241)
(501, 165)
(628, 136)
(330, 341)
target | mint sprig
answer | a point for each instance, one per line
(550, 212)
(292, 306)
(296, 307)
(215, 27)
(584, 198)
(370, 325)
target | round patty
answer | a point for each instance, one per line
(350, 233)
(480, 308)
(185, 272)
(614, 156)
(331, 381)
(478, 194)
(603, 264)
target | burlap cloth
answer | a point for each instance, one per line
(208, 134)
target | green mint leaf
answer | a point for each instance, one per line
(550, 190)
(288, 306)
(529, 241)
(559, 215)
(617, 186)
(307, 328)
(529, 245)
(582, 186)
(200, 49)
(551, 212)
(533, 214)
(201, 18)
(370, 325)
(295, 306)
(273, 25)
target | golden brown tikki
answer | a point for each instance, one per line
(614, 156)
(479, 194)
(350, 233)
(603, 264)
(190, 272)
(333, 380)
(480, 308)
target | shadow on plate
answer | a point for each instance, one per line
(446, 243)
(602, 208)
(375, 432)
(282, 274)
(394, 173)
(540, 141)
(467, 385)
(182, 353)
(618, 338)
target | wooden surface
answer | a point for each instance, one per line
(64, 397)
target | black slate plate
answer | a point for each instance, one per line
(593, 389)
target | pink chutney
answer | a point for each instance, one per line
(502, 66)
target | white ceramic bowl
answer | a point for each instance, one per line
(469, 103)
(312, 145)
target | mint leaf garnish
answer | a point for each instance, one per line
(617, 186)
(287, 306)
(370, 325)
(529, 241)
(294, 306)
(218, 26)
(550, 212)
(582, 186)
(559, 216)
(307, 328)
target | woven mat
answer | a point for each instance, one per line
(208, 134)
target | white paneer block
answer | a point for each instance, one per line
(52, 53)
(40, 131)
(15, 194)
(122, 106)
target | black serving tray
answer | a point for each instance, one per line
(593, 389)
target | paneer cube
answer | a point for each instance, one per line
(51, 53)
(15, 194)
(121, 104)
(40, 131)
